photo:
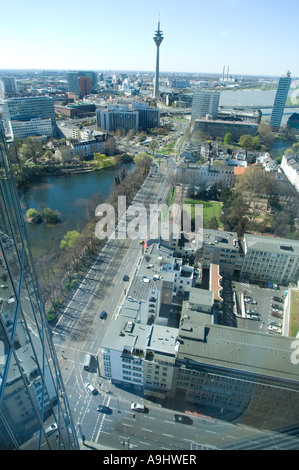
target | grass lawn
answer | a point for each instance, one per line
(210, 209)
(294, 320)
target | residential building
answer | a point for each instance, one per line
(290, 167)
(32, 393)
(206, 174)
(87, 148)
(280, 101)
(205, 102)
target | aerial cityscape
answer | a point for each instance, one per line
(149, 245)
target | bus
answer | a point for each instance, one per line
(87, 362)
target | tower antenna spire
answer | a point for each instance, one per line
(158, 38)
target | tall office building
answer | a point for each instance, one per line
(117, 117)
(205, 102)
(85, 86)
(158, 38)
(22, 116)
(73, 81)
(280, 101)
(34, 410)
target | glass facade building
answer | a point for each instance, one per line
(34, 410)
(280, 101)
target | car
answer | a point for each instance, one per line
(104, 409)
(253, 317)
(275, 323)
(277, 299)
(103, 315)
(251, 311)
(182, 419)
(275, 328)
(91, 389)
(277, 314)
(138, 407)
(278, 310)
(52, 428)
(276, 306)
(126, 278)
(249, 300)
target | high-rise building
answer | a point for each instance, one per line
(280, 101)
(9, 86)
(18, 112)
(205, 102)
(158, 38)
(73, 81)
(85, 86)
(149, 118)
(34, 410)
(117, 117)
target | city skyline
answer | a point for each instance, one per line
(252, 39)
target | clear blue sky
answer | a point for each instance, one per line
(257, 37)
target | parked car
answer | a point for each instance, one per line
(274, 306)
(183, 419)
(251, 311)
(277, 299)
(275, 328)
(275, 323)
(250, 300)
(253, 317)
(277, 314)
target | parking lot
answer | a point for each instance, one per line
(253, 307)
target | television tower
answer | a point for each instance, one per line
(158, 38)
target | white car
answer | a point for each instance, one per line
(137, 407)
(52, 428)
(91, 389)
(275, 328)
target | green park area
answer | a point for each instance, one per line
(211, 212)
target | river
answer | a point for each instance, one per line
(70, 196)
(255, 98)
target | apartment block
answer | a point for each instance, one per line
(290, 167)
